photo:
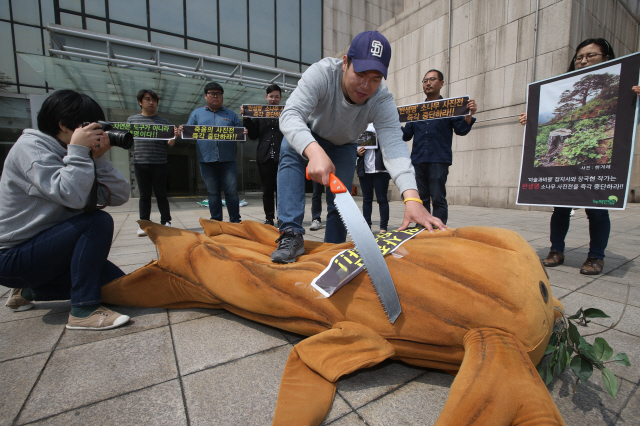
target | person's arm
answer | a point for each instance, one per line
(407, 132)
(119, 187)
(523, 118)
(636, 89)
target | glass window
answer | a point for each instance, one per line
(75, 5)
(7, 66)
(69, 20)
(262, 60)
(97, 25)
(288, 29)
(129, 11)
(167, 15)
(233, 53)
(167, 40)
(202, 20)
(28, 39)
(25, 11)
(262, 15)
(233, 23)
(129, 32)
(28, 75)
(95, 8)
(197, 46)
(4, 9)
(289, 66)
(48, 14)
(311, 31)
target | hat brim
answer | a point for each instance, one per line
(362, 65)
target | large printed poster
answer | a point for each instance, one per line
(578, 143)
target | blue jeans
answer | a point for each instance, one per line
(316, 201)
(291, 176)
(599, 229)
(431, 179)
(379, 182)
(217, 176)
(66, 261)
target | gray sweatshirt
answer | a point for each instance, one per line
(318, 104)
(44, 184)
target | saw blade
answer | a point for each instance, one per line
(372, 258)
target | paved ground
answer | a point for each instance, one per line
(203, 367)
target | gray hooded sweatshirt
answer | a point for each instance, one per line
(318, 104)
(44, 184)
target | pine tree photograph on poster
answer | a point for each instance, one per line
(576, 120)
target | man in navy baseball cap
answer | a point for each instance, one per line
(370, 50)
(334, 102)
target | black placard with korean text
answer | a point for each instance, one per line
(147, 131)
(579, 139)
(221, 133)
(262, 111)
(442, 108)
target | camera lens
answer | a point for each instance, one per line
(120, 138)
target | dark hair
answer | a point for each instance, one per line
(440, 75)
(273, 88)
(151, 93)
(349, 60)
(213, 86)
(67, 108)
(605, 48)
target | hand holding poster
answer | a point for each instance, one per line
(442, 108)
(262, 111)
(578, 143)
(147, 131)
(222, 133)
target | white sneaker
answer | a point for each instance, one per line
(315, 225)
(167, 224)
(141, 233)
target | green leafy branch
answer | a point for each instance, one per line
(567, 348)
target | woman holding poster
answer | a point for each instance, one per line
(589, 52)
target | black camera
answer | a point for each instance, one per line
(119, 138)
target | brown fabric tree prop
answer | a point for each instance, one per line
(474, 300)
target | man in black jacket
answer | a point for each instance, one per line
(267, 131)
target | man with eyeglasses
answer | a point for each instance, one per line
(431, 153)
(334, 102)
(217, 157)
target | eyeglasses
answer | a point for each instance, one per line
(215, 94)
(430, 80)
(589, 56)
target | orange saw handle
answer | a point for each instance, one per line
(335, 184)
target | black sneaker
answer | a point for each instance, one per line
(269, 222)
(290, 246)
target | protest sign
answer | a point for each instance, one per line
(262, 111)
(578, 143)
(146, 131)
(222, 133)
(442, 108)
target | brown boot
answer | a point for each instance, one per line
(592, 266)
(554, 258)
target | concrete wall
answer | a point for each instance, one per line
(492, 61)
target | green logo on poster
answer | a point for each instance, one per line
(612, 200)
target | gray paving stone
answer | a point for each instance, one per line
(591, 404)
(141, 319)
(623, 276)
(156, 405)
(364, 386)
(571, 280)
(30, 336)
(631, 413)
(17, 377)
(181, 315)
(614, 291)
(351, 419)
(133, 259)
(85, 374)
(243, 392)
(630, 323)
(40, 309)
(417, 403)
(214, 340)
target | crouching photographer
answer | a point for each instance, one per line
(54, 239)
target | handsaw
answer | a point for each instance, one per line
(367, 247)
